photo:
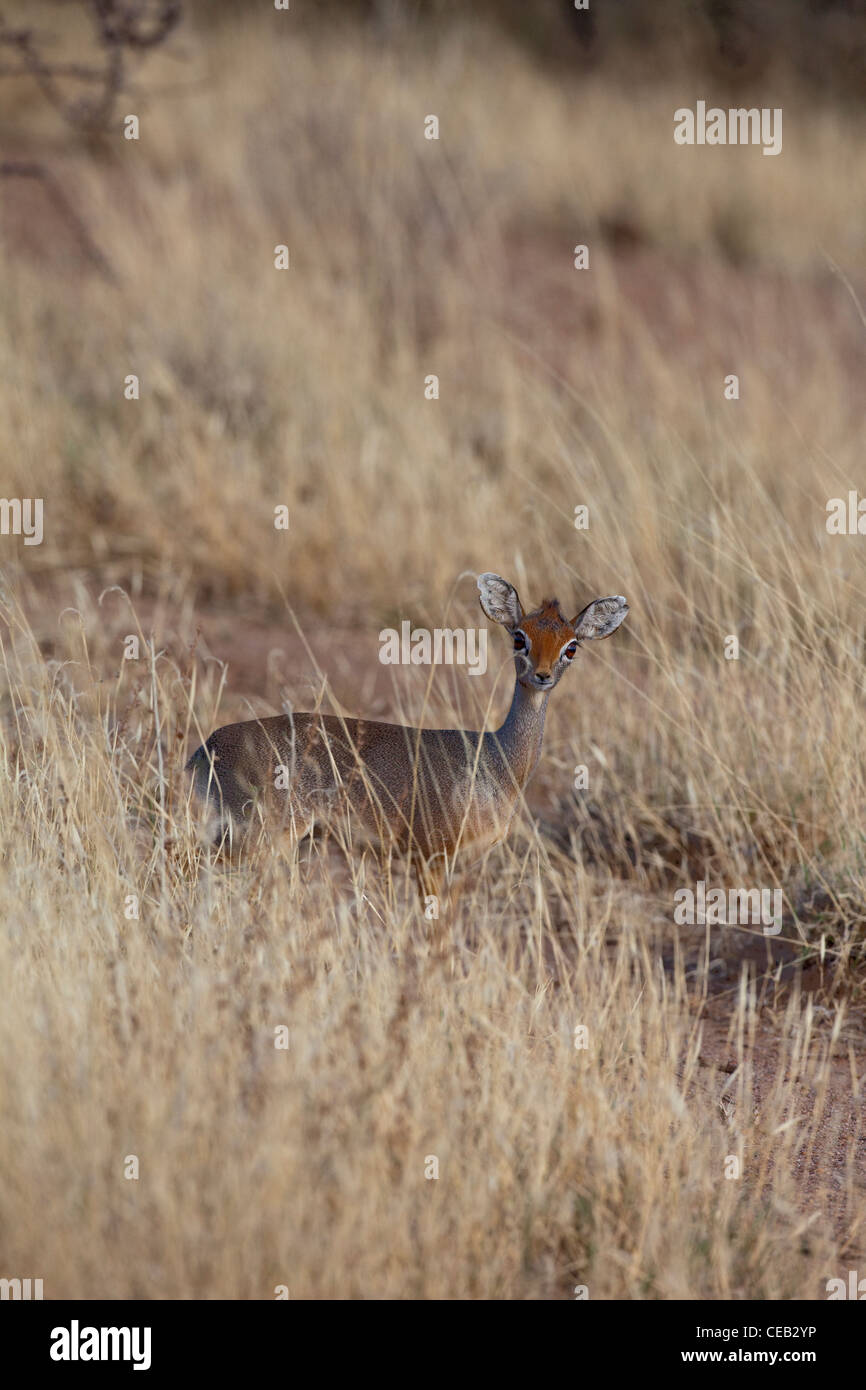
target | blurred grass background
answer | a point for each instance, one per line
(558, 387)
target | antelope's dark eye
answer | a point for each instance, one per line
(570, 651)
(519, 642)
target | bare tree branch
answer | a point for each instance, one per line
(121, 27)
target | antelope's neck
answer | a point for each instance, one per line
(521, 735)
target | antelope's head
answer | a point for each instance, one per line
(545, 641)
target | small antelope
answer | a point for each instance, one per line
(427, 793)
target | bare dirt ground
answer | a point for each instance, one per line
(822, 1169)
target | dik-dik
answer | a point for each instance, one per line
(426, 793)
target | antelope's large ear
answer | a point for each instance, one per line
(499, 600)
(600, 618)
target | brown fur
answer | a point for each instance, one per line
(428, 793)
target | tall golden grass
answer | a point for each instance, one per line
(154, 1035)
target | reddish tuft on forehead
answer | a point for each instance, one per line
(548, 615)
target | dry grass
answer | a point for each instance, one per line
(155, 1036)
